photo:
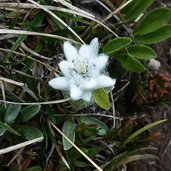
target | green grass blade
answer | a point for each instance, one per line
(21, 38)
(138, 132)
(8, 128)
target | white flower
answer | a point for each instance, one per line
(84, 71)
(154, 64)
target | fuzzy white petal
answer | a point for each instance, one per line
(105, 81)
(87, 96)
(77, 80)
(75, 93)
(85, 51)
(91, 84)
(65, 68)
(71, 53)
(90, 51)
(101, 61)
(60, 83)
(95, 45)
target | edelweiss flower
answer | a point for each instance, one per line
(84, 71)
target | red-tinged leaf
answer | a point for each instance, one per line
(25, 164)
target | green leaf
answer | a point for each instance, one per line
(156, 36)
(135, 8)
(101, 98)
(101, 127)
(153, 21)
(68, 129)
(11, 113)
(93, 151)
(80, 164)
(30, 132)
(130, 63)
(142, 52)
(8, 128)
(28, 112)
(138, 132)
(35, 168)
(116, 45)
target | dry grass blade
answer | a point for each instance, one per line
(100, 23)
(33, 52)
(72, 7)
(91, 161)
(113, 109)
(53, 8)
(32, 33)
(16, 155)
(21, 145)
(39, 103)
(3, 91)
(115, 12)
(91, 17)
(70, 11)
(36, 60)
(109, 4)
(89, 114)
(57, 18)
(11, 81)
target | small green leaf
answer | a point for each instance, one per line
(28, 112)
(30, 132)
(80, 164)
(156, 36)
(135, 8)
(138, 132)
(35, 168)
(101, 98)
(130, 63)
(142, 52)
(101, 127)
(11, 113)
(39, 17)
(153, 21)
(69, 130)
(8, 128)
(116, 45)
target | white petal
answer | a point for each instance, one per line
(95, 45)
(60, 83)
(85, 51)
(65, 68)
(91, 84)
(101, 61)
(70, 51)
(105, 81)
(77, 80)
(89, 51)
(75, 93)
(93, 72)
(87, 96)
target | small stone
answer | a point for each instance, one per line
(154, 64)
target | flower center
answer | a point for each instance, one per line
(80, 66)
